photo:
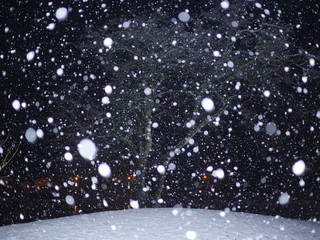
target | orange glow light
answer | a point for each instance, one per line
(76, 178)
(205, 177)
(75, 208)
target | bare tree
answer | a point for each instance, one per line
(7, 155)
(160, 69)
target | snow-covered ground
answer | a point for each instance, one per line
(164, 223)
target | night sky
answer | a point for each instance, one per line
(25, 26)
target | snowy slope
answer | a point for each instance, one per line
(164, 223)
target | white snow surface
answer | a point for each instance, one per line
(164, 223)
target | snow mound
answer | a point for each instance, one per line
(164, 223)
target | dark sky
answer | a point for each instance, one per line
(23, 28)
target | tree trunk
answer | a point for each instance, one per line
(181, 144)
(158, 193)
(144, 150)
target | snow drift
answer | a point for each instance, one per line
(164, 223)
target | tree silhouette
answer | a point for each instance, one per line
(167, 79)
(7, 154)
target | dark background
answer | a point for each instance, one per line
(23, 80)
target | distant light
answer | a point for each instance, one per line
(299, 167)
(207, 104)
(62, 14)
(75, 209)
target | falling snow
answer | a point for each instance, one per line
(184, 17)
(31, 135)
(104, 170)
(70, 200)
(161, 169)
(284, 198)
(134, 204)
(108, 42)
(219, 173)
(271, 128)
(87, 149)
(62, 13)
(225, 4)
(30, 56)
(68, 156)
(299, 167)
(16, 105)
(207, 104)
(108, 89)
(188, 106)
